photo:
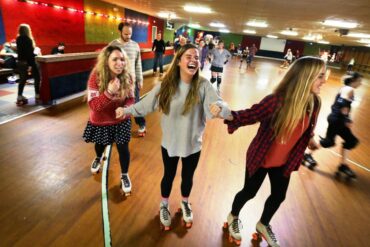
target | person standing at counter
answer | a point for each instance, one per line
(59, 49)
(26, 62)
(159, 48)
(132, 50)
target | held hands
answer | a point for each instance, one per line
(215, 110)
(120, 112)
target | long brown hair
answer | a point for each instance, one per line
(104, 74)
(170, 84)
(295, 88)
(25, 30)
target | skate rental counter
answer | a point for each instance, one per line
(63, 75)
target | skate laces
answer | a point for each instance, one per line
(126, 181)
(270, 233)
(187, 208)
(96, 163)
(165, 212)
(236, 225)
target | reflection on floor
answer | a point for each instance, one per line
(8, 95)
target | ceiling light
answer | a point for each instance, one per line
(216, 24)
(224, 30)
(289, 32)
(167, 15)
(257, 24)
(249, 31)
(340, 23)
(271, 36)
(359, 35)
(197, 9)
(194, 25)
(323, 42)
(365, 41)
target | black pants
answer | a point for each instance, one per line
(189, 164)
(23, 75)
(124, 155)
(158, 61)
(338, 127)
(279, 185)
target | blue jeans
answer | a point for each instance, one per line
(158, 58)
(138, 120)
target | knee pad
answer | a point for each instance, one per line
(350, 144)
(218, 80)
(326, 143)
(213, 79)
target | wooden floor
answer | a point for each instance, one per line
(49, 198)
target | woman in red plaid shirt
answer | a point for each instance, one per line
(287, 119)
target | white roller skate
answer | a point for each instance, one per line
(126, 184)
(164, 216)
(187, 214)
(233, 225)
(266, 233)
(95, 165)
(141, 131)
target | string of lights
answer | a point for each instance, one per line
(86, 12)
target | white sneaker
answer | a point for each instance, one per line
(126, 184)
(267, 234)
(234, 225)
(164, 216)
(187, 213)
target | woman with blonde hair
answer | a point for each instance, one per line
(26, 62)
(110, 86)
(287, 119)
(184, 98)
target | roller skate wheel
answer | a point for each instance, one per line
(256, 236)
(233, 240)
(179, 211)
(188, 224)
(163, 227)
(128, 194)
(226, 225)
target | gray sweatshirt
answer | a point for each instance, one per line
(219, 58)
(182, 134)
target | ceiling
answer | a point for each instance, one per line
(303, 16)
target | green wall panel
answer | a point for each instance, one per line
(313, 49)
(230, 37)
(100, 29)
(168, 35)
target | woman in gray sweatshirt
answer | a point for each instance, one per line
(186, 101)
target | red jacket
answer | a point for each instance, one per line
(257, 151)
(103, 105)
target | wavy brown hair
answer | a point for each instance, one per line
(170, 84)
(104, 74)
(25, 30)
(295, 88)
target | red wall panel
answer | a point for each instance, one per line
(49, 25)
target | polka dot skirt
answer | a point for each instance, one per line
(105, 135)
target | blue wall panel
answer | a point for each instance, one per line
(2, 30)
(139, 31)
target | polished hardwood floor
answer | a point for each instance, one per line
(49, 197)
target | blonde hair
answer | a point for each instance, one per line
(171, 81)
(104, 74)
(295, 88)
(25, 30)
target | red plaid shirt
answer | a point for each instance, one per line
(257, 151)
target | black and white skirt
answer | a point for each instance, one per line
(105, 135)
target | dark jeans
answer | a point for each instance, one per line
(279, 185)
(158, 59)
(123, 151)
(138, 120)
(189, 164)
(22, 67)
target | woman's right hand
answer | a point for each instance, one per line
(113, 86)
